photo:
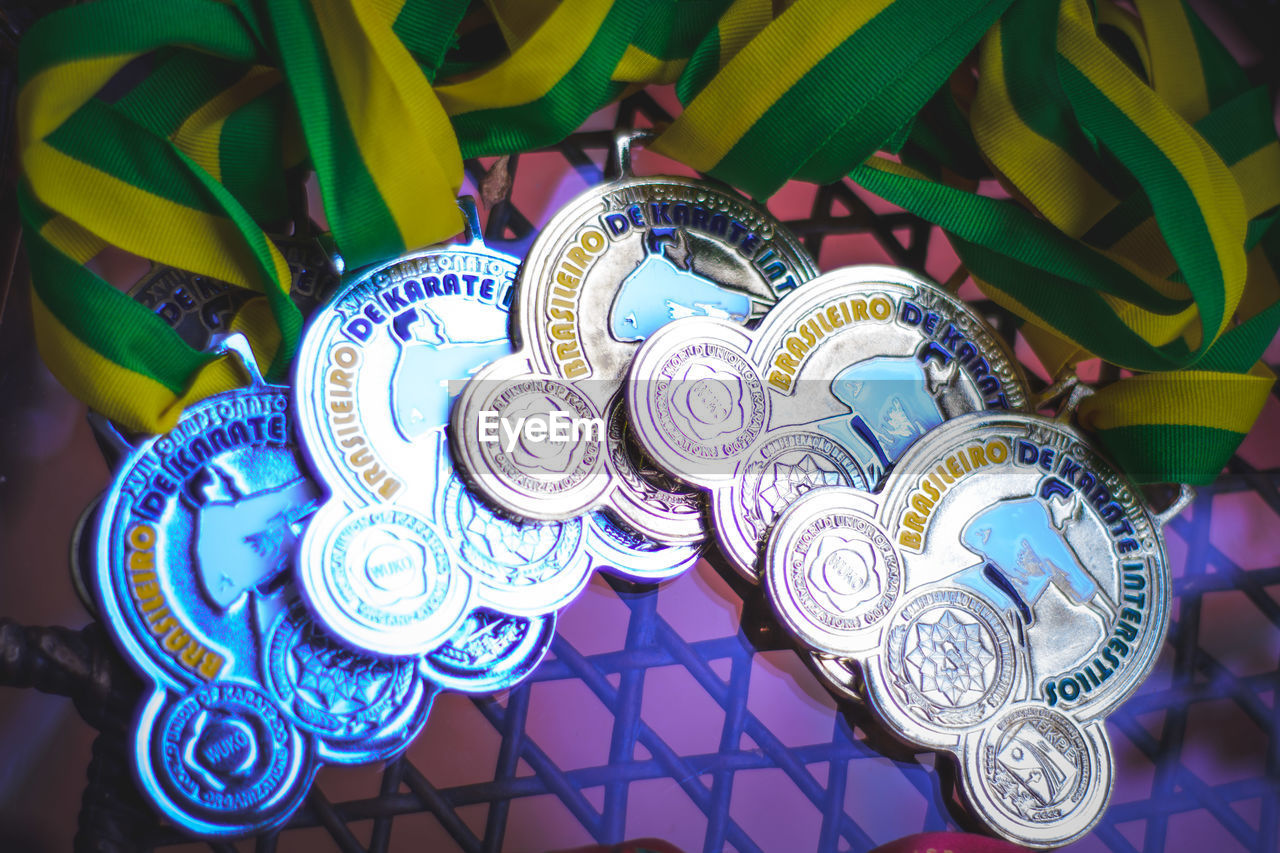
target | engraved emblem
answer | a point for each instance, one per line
(612, 268)
(490, 651)
(951, 658)
(841, 579)
(832, 387)
(385, 576)
(222, 759)
(192, 561)
(1034, 599)
(350, 700)
(1038, 775)
(377, 374)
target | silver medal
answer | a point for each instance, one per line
(541, 432)
(401, 551)
(192, 567)
(199, 307)
(829, 390)
(1004, 592)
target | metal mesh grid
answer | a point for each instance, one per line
(1197, 757)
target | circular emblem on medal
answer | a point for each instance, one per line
(519, 567)
(708, 401)
(226, 757)
(490, 651)
(841, 577)
(548, 448)
(1038, 777)
(382, 578)
(363, 708)
(949, 659)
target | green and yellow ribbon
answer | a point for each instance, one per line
(1142, 167)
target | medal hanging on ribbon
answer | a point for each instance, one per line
(193, 570)
(1141, 231)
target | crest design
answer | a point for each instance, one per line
(1034, 600)
(378, 370)
(853, 368)
(642, 253)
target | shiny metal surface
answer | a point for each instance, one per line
(401, 551)
(783, 766)
(1004, 592)
(832, 387)
(198, 307)
(194, 547)
(220, 759)
(490, 651)
(611, 267)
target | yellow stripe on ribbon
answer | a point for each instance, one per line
(1045, 174)
(1201, 168)
(200, 135)
(1175, 69)
(1112, 14)
(155, 227)
(72, 240)
(638, 66)
(740, 23)
(1228, 401)
(531, 71)
(736, 98)
(49, 98)
(1258, 177)
(401, 129)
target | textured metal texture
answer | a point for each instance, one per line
(680, 711)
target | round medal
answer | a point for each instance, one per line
(221, 760)
(612, 267)
(1004, 592)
